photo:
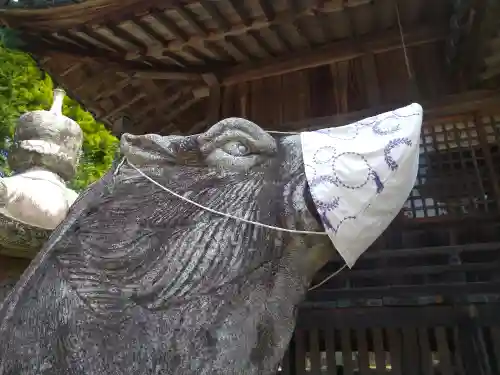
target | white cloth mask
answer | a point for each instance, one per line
(360, 175)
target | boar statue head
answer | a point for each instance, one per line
(139, 281)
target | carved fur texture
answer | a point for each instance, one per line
(137, 281)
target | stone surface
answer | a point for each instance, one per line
(10, 271)
(20, 239)
(138, 281)
(47, 139)
(6, 286)
(35, 199)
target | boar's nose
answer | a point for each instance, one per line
(151, 148)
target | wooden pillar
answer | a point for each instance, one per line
(410, 352)
(371, 79)
(214, 99)
(470, 337)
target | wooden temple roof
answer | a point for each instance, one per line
(160, 66)
(146, 63)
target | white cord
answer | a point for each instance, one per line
(232, 217)
(219, 212)
(278, 132)
(328, 278)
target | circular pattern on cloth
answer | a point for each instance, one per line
(324, 182)
(387, 129)
(324, 154)
(360, 164)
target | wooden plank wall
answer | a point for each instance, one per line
(347, 86)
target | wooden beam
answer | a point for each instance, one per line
(448, 290)
(163, 97)
(188, 16)
(331, 53)
(172, 108)
(161, 107)
(125, 105)
(465, 103)
(245, 27)
(340, 74)
(51, 46)
(89, 11)
(70, 68)
(112, 90)
(161, 75)
(214, 101)
(371, 79)
(214, 105)
(181, 108)
(319, 314)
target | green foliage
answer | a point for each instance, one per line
(23, 87)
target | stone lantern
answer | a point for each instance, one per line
(35, 199)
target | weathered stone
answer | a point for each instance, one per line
(47, 139)
(35, 199)
(138, 281)
(6, 286)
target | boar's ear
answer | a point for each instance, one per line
(237, 129)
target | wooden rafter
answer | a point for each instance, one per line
(168, 49)
(161, 75)
(181, 108)
(371, 79)
(167, 117)
(163, 109)
(160, 96)
(48, 46)
(330, 53)
(246, 26)
(125, 104)
(89, 11)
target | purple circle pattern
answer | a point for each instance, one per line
(325, 206)
(330, 150)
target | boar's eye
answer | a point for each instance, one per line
(236, 148)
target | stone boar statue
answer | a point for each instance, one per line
(139, 281)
